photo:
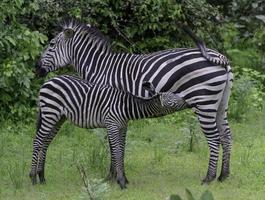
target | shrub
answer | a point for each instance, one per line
(19, 48)
(25, 25)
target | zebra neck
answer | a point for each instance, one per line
(101, 65)
(144, 108)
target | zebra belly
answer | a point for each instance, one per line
(85, 119)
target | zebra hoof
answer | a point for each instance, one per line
(208, 180)
(122, 183)
(41, 177)
(223, 177)
(33, 178)
(43, 181)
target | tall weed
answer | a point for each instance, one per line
(94, 189)
(92, 151)
(192, 131)
(16, 172)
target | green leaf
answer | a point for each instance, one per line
(43, 38)
(25, 57)
(119, 44)
(11, 40)
(5, 97)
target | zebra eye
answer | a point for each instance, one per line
(68, 33)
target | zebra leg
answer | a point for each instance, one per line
(48, 140)
(208, 124)
(45, 127)
(117, 153)
(224, 130)
(42, 132)
(36, 148)
(42, 157)
(35, 156)
(122, 144)
(226, 142)
(112, 173)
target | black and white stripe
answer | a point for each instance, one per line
(204, 85)
(91, 105)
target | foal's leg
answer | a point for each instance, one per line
(112, 171)
(123, 132)
(42, 157)
(113, 174)
(117, 152)
(44, 129)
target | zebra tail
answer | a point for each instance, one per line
(38, 124)
(230, 76)
(220, 60)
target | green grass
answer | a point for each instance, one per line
(158, 162)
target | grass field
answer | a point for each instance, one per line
(158, 162)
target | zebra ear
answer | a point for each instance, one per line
(149, 87)
(68, 33)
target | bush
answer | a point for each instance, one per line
(247, 94)
(19, 48)
(247, 62)
(237, 27)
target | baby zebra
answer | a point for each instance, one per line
(90, 105)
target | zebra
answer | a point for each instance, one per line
(204, 84)
(91, 105)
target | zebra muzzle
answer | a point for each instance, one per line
(41, 72)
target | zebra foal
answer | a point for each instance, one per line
(89, 105)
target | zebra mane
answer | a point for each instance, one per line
(94, 33)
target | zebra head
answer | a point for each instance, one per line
(171, 100)
(70, 44)
(58, 53)
(167, 99)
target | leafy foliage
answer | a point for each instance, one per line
(248, 93)
(233, 27)
(19, 48)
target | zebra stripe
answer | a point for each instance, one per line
(91, 105)
(204, 85)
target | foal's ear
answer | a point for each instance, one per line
(68, 33)
(149, 87)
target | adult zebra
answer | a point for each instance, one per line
(204, 85)
(90, 105)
